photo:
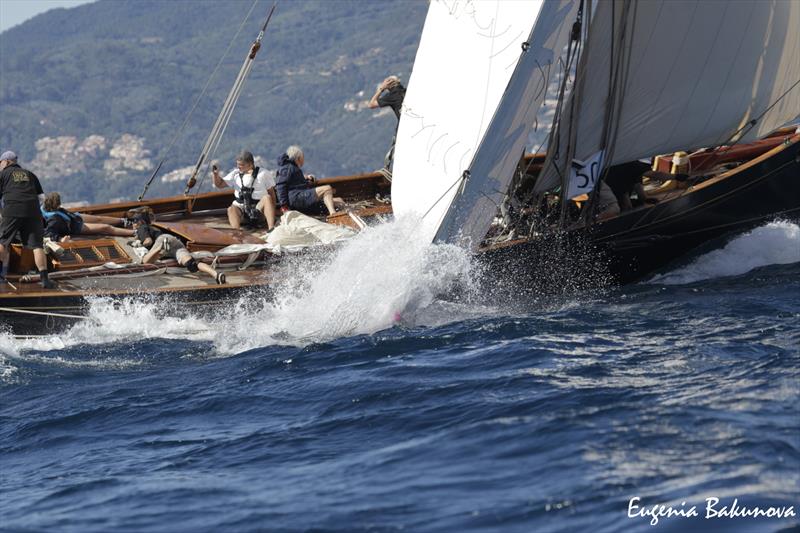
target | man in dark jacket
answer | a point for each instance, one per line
(21, 191)
(297, 191)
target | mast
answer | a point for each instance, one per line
(549, 51)
(224, 117)
(182, 127)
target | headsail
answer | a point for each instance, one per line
(467, 54)
(692, 74)
(492, 169)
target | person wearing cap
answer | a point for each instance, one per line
(21, 192)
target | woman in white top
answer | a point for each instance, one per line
(254, 199)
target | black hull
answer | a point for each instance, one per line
(631, 246)
(53, 314)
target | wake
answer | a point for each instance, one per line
(776, 243)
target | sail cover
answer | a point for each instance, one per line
(466, 56)
(696, 74)
(538, 74)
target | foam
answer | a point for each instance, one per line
(383, 277)
(776, 243)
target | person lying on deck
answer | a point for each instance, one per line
(253, 191)
(61, 225)
(297, 191)
(166, 246)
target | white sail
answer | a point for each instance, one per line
(696, 74)
(490, 172)
(466, 55)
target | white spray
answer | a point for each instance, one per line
(382, 277)
(776, 243)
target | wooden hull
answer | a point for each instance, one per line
(46, 312)
(621, 250)
(637, 243)
(26, 309)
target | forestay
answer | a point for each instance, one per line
(694, 74)
(467, 53)
(490, 172)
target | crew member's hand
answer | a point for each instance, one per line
(311, 178)
(284, 208)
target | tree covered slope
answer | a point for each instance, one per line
(91, 96)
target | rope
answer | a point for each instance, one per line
(27, 312)
(221, 124)
(196, 103)
(752, 123)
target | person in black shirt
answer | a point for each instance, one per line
(390, 93)
(21, 191)
(625, 180)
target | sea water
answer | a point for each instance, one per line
(360, 400)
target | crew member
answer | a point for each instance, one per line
(21, 191)
(253, 191)
(166, 246)
(297, 191)
(60, 225)
(390, 93)
(625, 180)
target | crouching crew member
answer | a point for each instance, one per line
(253, 191)
(21, 191)
(166, 246)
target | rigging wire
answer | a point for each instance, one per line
(752, 123)
(182, 127)
(220, 125)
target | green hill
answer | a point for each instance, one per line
(91, 96)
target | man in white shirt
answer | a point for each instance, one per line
(254, 199)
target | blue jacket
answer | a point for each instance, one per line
(289, 178)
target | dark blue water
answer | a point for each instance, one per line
(546, 420)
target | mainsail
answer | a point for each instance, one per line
(466, 56)
(667, 75)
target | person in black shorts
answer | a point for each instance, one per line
(21, 191)
(296, 191)
(390, 93)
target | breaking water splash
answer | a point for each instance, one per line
(776, 243)
(383, 277)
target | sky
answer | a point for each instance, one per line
(14, 12)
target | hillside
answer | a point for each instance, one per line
(91, 96)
